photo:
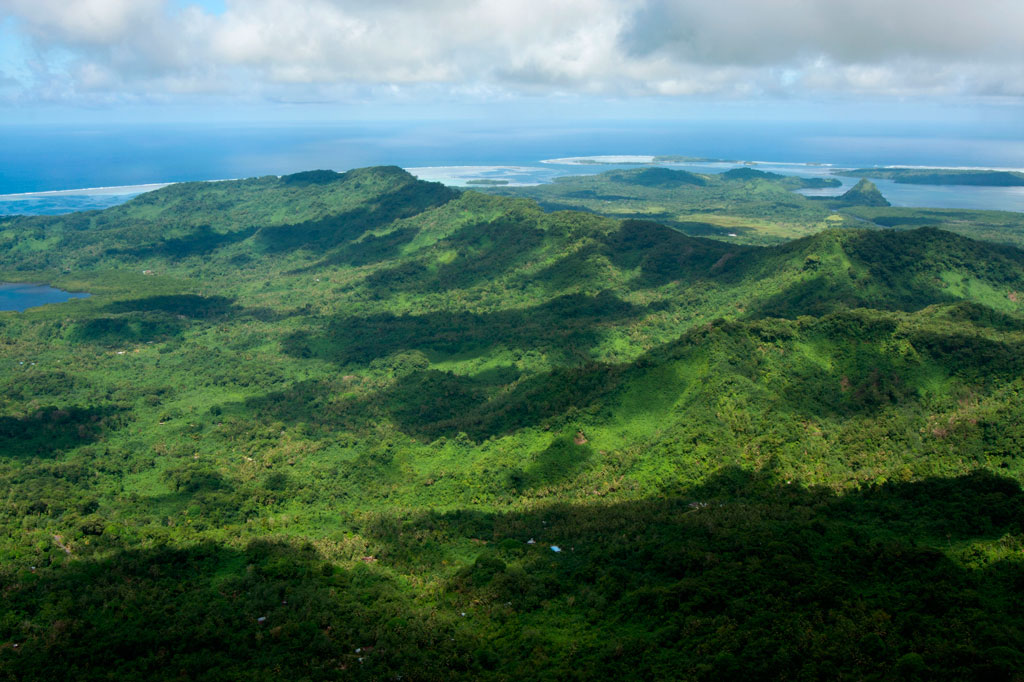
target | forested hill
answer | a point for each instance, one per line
(942, 176)
(331, 426)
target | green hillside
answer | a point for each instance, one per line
(941, 176)
(864, 193)
(748, 206)
(359, 426)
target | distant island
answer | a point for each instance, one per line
(676, 158)
(747, 173)
(940, 176)
(486, 181)
(636, 160)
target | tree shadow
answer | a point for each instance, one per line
(189, 305)
(214, 612)
(131, 329)
(841, 366)
(154, 319)
(193, 307)
(560, 461)
(747, 574)
(743, 574)
(49, 431)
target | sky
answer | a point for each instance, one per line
(146, 60)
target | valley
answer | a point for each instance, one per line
(647, 423)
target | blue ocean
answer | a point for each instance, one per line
(47, 169)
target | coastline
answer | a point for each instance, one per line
(116, 190)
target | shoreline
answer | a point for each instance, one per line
(594, 160)
(114, 190)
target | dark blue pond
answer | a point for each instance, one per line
(21, 296)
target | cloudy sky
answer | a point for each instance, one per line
(442, 55)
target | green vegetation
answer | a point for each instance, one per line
(335, 426)
(754, 174)
(864, 193)
(486, 181)
(941, 176)
(748, 206)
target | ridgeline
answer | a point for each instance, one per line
(360, 426)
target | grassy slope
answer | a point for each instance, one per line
(362, 394)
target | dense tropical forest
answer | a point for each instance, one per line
(647, 424)
(942, 176)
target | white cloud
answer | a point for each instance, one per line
(315, 49)
(83, 21)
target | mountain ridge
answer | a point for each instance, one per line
(474, 439)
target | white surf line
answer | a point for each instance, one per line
(626, 159)
(601, 159)
(87, 191)
(809, 164)
(114, 190)
(469, 169)
(462, 176)
(963, 168)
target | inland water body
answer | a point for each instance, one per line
(20, 297)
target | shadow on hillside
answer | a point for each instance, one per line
(430, 404)
(864, 373)
(332, 231)
(744, 574)
(491, 250)
(56, 385)
(560, 461)
(972, 356)
(839, 366)
(369, 249)
(130, 329)
(202, 241)
(829, 293)
(665, 255)
(214, 612)
(480, 252)
(747, 573)
(49, 431)
(155, 319)
(568, 324)
(192, 306)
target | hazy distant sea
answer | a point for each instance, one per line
(37, 159)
